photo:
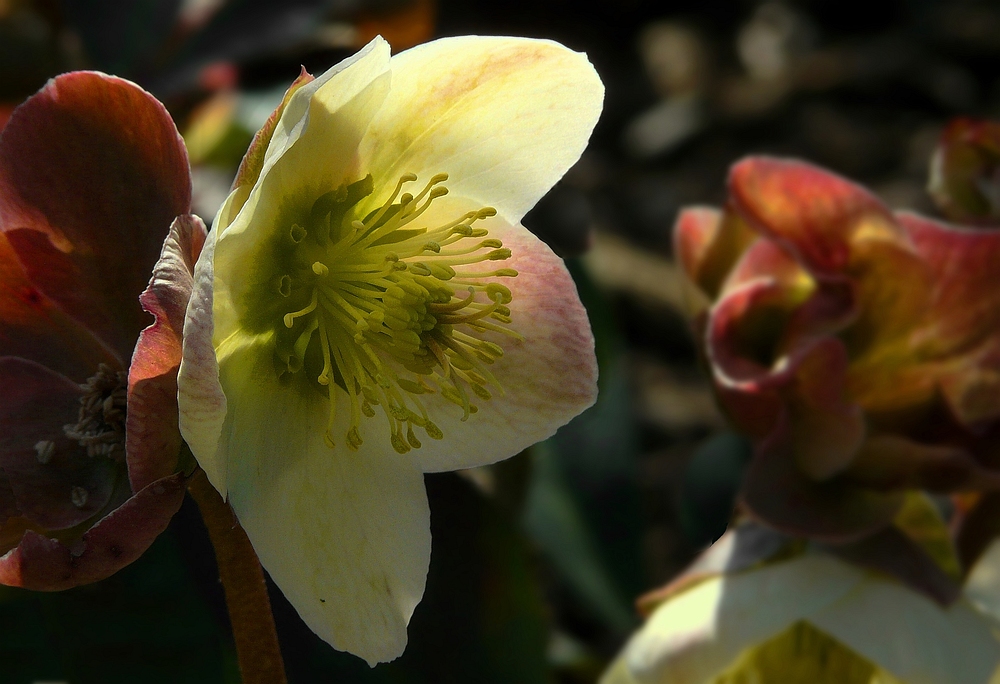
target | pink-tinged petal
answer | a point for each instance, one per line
(201, 403)
(963, 172)
(152, 437)
(547, 379)
(94, 167)
(817, 215)
(744, 335)
(766, 259)
(891, 552)
(776, 491)
(33, 327)
(707, 242)
(118, 539)
(889, 462)
(56, 484)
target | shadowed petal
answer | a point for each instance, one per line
(56, 484)
(818, 215)
(777, 492)
(891, 552)
(118, 539)
(33, 327)
(152, 437)
(893, 462)
(92, 164)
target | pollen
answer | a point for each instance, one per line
(380, 311)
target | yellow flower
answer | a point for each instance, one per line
(368, 309)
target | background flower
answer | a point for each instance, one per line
(92, 173)
(854, 345)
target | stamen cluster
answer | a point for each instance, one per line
(386, 309)
(100, 427)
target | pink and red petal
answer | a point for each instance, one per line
(816, 214)
(707, 242)
(92, 172)
(44, 564)
(33, 327)
(153, 439)
(54, 482)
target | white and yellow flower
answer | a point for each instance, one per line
(368, 309)
(815, 619)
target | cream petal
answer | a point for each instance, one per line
(201, 402)
(505, 117)
(321, 158)
(334, 88)
(698, 633)
(547, 379)
(345, 535)
(982, 586)
(910, 636)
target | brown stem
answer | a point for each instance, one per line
(246, 593)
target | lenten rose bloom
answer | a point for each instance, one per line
(92, 174)
(368, 309)
(858, 347)
(809, 618)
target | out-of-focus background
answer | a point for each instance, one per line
(537, 561)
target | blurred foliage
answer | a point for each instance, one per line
(148, 618)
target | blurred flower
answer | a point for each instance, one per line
(346, 336)
(965, 171)
(92, 173)
(806, 619)
(858, 348)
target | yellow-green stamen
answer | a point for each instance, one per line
(379, 308)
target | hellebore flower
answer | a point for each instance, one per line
(857, 347)
(965, 172)
(808, 618)
(92, 173)
(355, 324)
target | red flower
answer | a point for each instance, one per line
(92, 173)
(858, 347)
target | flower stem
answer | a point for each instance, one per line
(243, 581)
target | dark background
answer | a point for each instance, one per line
(537, 561)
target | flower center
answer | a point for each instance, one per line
(100, 427)
(386, 309)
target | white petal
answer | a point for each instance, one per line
(698, 633)
(913, 638)
(505, 117)
(982, 587)
(200, 400)
(345, 535)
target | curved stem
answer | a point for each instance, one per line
(246, 592)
